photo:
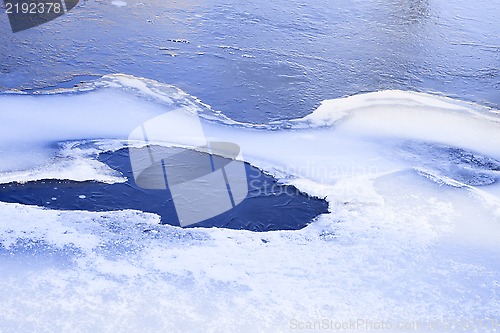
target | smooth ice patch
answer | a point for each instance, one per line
(119, 3)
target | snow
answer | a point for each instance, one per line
(407, 238)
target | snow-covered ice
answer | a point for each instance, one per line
(413, 231)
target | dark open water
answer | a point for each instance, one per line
(268, 205)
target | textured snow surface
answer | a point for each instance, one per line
(413, 233)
